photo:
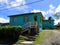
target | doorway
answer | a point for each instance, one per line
(35, 18)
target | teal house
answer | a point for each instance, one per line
(48, 24)
(27, 20)
(30, 20)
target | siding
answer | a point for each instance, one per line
(48, 24)
(20, 19)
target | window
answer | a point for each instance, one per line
(25, 19)
(14, 19)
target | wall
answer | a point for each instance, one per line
(20, 19)
(48, 24)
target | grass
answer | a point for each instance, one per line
(40, 37)
(21, 39)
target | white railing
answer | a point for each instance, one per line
(30, 25)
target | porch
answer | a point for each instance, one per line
(30, 28)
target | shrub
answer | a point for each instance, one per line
(10, 33)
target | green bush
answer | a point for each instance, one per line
(10, 34)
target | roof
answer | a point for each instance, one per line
(23, 14)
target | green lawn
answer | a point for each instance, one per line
(40, 37)
(21, 39)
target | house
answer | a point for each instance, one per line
(30, 20)
(48, 24)
(4, 24)
(27, 20)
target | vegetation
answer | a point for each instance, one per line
(57, 15)
(4, 24)
(40, 37)
(9, 34)
(21, 39)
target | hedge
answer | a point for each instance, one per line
(10, 34)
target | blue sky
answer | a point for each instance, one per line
(47, 7)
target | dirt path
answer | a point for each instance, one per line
(52, 38)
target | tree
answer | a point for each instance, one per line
(57, 15)
(59, 23)
(50, 18)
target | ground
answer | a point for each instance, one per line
(51, 37)
(46, 37)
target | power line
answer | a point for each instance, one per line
(21, 5)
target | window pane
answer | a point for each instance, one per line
(26, 19)
(14, 19)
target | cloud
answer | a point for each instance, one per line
(52, 10)
(57, 9)
(17, 4)
(19, 0)
(35, 10)
(51, 6)
(56, 21)
(49, 11)
(4, 1)
(2, 20)
(43, 12)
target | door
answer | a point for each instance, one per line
(35, 18)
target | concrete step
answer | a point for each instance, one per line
(27, 43)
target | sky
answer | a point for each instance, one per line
(12, 7)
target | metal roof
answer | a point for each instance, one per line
(23, 14)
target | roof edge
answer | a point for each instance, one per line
(24, 14)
